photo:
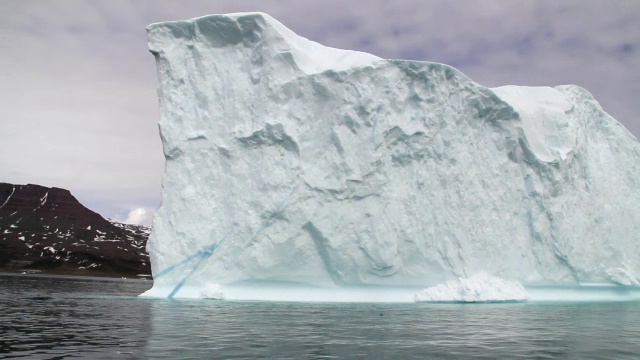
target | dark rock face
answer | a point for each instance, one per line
(47, 229)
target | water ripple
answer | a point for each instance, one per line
(49, 318)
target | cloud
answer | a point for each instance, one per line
(140, 216)
(78, 96)
(76, 115)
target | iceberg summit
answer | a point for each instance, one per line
(291, 165)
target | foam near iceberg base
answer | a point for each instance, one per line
(478, 288)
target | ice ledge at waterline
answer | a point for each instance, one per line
(291, 162)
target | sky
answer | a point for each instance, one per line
(78, 100)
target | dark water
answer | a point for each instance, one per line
(55, 318)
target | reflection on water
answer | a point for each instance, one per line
(91, 318)
(71, 316)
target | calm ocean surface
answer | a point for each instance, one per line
(56, 318)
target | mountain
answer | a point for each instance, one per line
(47, 229)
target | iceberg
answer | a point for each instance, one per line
(478, 288)
(295, 164)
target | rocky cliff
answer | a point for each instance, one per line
(47, 229)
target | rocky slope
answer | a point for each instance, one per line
(47, 229)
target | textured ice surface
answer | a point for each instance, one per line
(477, 288)
(212, 291)
(293, 163)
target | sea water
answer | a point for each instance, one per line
(45, 317)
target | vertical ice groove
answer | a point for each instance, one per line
(321, 243)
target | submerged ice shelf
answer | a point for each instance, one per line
(288, 162)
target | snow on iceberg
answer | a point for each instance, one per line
(478, 288)
(212, 291)
(288, 162)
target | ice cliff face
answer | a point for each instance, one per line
(289, 161)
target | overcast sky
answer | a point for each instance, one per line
(78, 105)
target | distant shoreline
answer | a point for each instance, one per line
(79, 274)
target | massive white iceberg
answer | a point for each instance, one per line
(288, 162)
